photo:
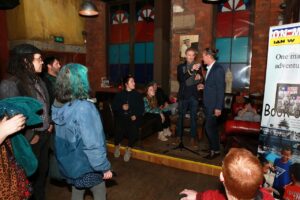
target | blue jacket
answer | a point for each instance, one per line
(79, 141)
(213, 95)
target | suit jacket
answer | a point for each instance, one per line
(187, 82)
(214, 89)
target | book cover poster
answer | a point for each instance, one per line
(280, 125)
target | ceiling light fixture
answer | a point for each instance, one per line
(87, 8)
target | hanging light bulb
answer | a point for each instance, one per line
(87, 8)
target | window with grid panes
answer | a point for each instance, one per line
(232, 38)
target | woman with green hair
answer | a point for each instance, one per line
(79, 141)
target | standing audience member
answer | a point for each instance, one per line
(128, 107)
(241, 177)
(188, 94)
(153, 111)
(25, 65)
(51, 69)
(213, 98)
(292, 192)
(79, 141)
(52, 66)
(282, 169)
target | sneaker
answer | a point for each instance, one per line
(161, 136)
(167, 132)
(117, 152)
(127, 154)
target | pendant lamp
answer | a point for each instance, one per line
(87, 8)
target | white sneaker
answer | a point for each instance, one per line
(127, 154)
(161, 136)
(167, 132)
(117, 151)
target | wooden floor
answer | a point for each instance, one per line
(163, 153)
(139, 180)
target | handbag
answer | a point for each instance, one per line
(23, 185)
(23, 154)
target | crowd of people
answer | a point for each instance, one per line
(69, 127)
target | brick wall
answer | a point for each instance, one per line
(3, 44)
(96, 46)
(266, 15)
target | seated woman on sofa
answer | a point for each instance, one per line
(128, 108)
(152, 110)
(248, 113)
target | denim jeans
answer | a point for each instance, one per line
(185, 105)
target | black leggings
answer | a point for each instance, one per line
(159, 126)
(126, 127)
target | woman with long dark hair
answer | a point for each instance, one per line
(25, 65)
(80, 140)
(152, 110)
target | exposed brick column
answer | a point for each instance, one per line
(96, 46)
(265, 15)
(4, 53)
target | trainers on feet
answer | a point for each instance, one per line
(117, 151)
(127, 154)
(167, 132)
(161, 136)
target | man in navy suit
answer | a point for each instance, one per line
(213, 98)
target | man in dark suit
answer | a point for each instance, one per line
(213, 98)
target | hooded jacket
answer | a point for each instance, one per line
(79, 141)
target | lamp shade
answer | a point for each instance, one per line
(87, 8)
(214, 1)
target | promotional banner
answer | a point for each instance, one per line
(280, 125)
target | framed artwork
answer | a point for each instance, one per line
(187, 41)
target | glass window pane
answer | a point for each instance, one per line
(241, 76)
(239, 50)
(223, 44)
(224, 24)
(139, 53)
(241, 23)
(149, 52)
(113, 54)
(124, 54)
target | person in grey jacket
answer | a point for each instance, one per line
(80, 140)
(25, 65)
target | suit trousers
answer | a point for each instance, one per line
(212, 132)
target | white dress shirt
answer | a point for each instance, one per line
(209, 68)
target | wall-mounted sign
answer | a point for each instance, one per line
(59, 39)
